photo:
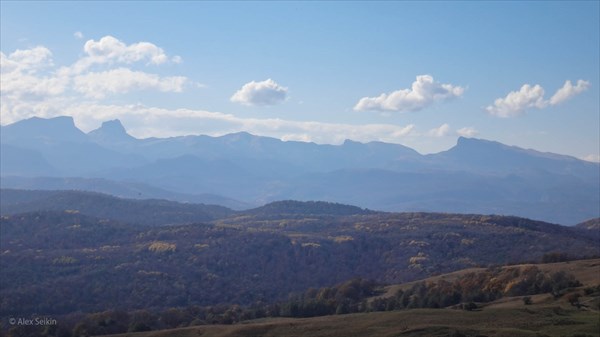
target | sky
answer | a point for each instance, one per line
(419, 74)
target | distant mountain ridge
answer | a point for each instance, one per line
(120, 189)
(475, 176)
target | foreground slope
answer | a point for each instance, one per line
(526, 322)
(546, 316)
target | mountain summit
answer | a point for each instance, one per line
(490, 156)
(112, 128)
(110, 131)
(37, 129)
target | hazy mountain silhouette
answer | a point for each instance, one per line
(121, 189)
(111, 133)
(475, 176)
(494, 157)
(65, 147)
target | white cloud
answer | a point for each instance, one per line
(17, 85)
(467, 132)
(78, 35)
(424, 92)
(20, 75)
(122, 80)
(29, 75)
(27, 60)
(110, 50)
(440, 131)
(532, 97)
(594, 158)
(568, 91)
(516, 102)
(266, 92)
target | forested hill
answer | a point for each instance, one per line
(96, 262)
(132, 211)
(156, 212)
(293, 207)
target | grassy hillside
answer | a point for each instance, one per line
(585, 271)
(526, 322)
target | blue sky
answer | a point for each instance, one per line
(414, 73)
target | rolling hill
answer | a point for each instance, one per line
(545, 316)
(147, 212)
(98, 251)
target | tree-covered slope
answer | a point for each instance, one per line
(92, 263)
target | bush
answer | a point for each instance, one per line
(574, 298)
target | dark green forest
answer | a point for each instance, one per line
(117, 273)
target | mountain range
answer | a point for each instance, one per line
(241, 171)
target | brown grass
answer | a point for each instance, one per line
(526, 321)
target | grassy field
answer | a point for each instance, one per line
(508, 317)
(533, 320)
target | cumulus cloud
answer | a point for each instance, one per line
(263, 93)
(569, 91)
(122, 80)
(516, 102)
(467, 132)
(26, 86)
(440, 131)
(110, 50)
(27, 60)
(21, 79)
(532, 97)
(30, 74)
(423, 92)
(78, 35)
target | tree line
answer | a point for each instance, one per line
(354, 296)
